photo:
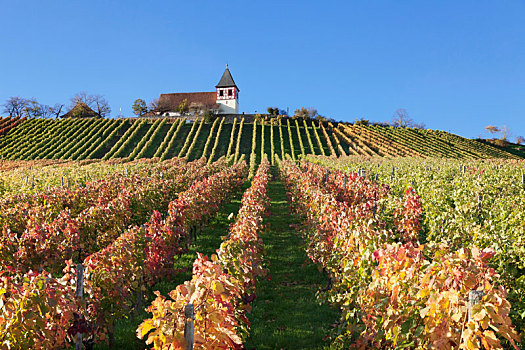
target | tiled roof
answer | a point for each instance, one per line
(226, 80)
(170, 102)
(81, 110)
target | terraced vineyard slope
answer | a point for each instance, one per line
(76, 139)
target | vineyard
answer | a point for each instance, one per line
(87, 138)
(273, 234)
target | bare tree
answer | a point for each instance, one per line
(160, 106)
(32, 108)
(505, 133)
(312, 112)
(46, 111)
(101, 105)
(154, 105)
(81, 97)
(520, 140)
(56, 110)
(401, 118)
(14, 106)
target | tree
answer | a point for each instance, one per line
(81, 97)
(183, 107)
(401, 118)
(56, 110)
(208, 115)
(520, 140)
(46, 111)
(306, 113)
(505, 133)
(139, 107)
(492, 129)
(156, 105)
(33, 109)
(273, 111)
(96, 102)
(361, 121)
(14, 106)
(101, 106)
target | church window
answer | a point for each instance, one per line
(230, 92)
(221, 93)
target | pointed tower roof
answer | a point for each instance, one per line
(226, 80)
(81, 110)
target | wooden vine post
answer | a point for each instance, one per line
(189, 328)
(474, 297)
(79, 293)
(480, 200)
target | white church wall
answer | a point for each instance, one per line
(228, 106)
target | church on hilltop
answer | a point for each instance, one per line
(224, 100)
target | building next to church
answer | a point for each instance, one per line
(224, 100)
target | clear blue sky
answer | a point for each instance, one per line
(453, 65)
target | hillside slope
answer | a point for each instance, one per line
(145, 138)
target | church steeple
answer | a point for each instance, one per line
(227, 94)
(227, 80)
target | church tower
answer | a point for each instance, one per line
(227, 94)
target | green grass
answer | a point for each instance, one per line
(286, 313)
(207, 243)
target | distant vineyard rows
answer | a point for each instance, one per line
(77, 139)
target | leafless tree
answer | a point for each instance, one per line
(160, 106)
(401, 118)
(14, 106)
(46, 111)
(81, 97)
(56, 110)
(154, 105)
(33, 109)
(520, 140)
(101, 105)
(506, 133)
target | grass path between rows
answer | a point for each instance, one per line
(286, 313)
(207, 243)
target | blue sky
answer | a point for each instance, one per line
(453, 65)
